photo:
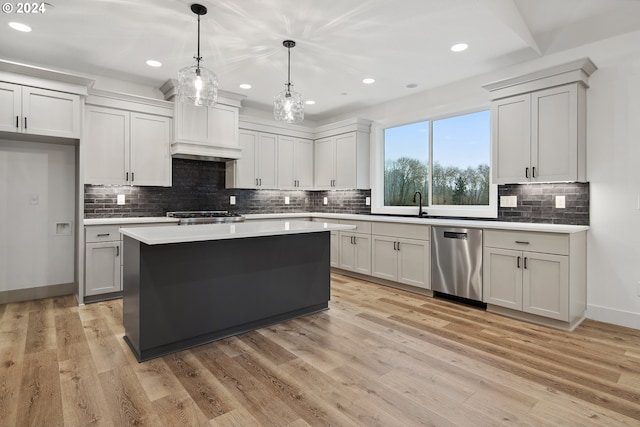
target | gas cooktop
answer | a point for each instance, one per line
(205, 217)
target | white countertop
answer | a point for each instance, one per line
(501, 225)
(197, 233)
(135, 220)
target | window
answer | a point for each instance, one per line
(447, 160)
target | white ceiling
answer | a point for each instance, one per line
(339, 42)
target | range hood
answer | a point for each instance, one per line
(205, 133)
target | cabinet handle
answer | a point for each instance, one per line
(533, 172)
(525, 262)
(103, 234)
(398, 245)
(126, 176)
(133, 176)
(17, 121)
(260, 182)
(394, 246)
(518, 263)
(117, 250)
(526, 172)
(522, 242)
(256, 182)
(25, 123)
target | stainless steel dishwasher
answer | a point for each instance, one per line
(456, 262)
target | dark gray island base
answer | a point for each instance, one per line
(180, 295)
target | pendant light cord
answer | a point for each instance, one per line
(198, 58)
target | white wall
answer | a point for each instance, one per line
(613, 161)
(37, 192)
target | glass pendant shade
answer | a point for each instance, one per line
(288, 106)
(197, 86)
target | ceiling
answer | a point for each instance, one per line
(400, 43)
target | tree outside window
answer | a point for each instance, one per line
(460, 165)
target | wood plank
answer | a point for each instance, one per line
(179, 410)
(127, 403)
(157, 379)
(199, 383)
(40, 400)
(83, 402)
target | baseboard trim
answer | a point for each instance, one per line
(614, 316)
(377, 280)
(28, 294)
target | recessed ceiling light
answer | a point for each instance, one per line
(245, 86)
(154, 63)
(459, 47)
(368, 81)
(20, 27)
(310, 102)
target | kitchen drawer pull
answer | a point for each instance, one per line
(525, 262)
(533, 174)
(117, 250)
(398, 245)
(522, 242)
(17, 121)
(103, 235)
(526, 172)
(133, 176)
(25, 123)
(394, 246)
(518, 263)
(126, 176)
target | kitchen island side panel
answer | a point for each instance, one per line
(196, 292)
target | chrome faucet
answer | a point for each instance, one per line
(421, 214)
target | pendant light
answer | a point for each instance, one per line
(288, 106)
(198, 85)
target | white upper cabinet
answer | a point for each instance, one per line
(295, 162)
(539, 125)
(258, 166)
(37, 111)
(149, 150)
(337, 164)
(341, 155)
(126, 146)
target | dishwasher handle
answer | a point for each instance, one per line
(455, 235)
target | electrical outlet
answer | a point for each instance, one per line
(232, 200)
(508, 201)
(286, 200)
(560, 202)
(325, 201)
(367, 201)
(120, 199)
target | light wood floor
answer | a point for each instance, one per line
(379, 356)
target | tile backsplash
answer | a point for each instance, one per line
(536, 203)
(200, 185)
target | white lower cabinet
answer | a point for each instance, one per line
(102, 260)
(355, 252)
(401, 260)
(335, 249)
(547, 279)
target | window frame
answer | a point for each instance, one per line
(377, 175)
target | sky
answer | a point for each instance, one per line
(460, 141)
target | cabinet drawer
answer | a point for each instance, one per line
(407, 231)
(363, 227)
(101, 233)
(551, 243)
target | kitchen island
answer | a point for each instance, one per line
(190, 285)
